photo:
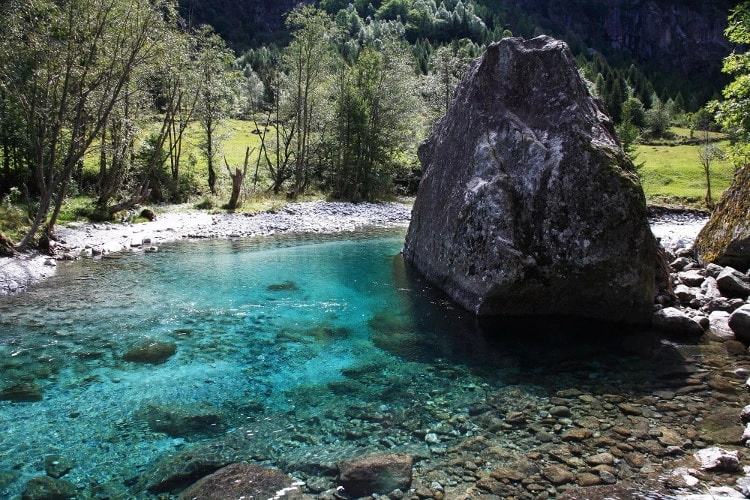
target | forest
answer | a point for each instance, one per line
(123, 102)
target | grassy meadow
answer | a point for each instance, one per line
(672, 174)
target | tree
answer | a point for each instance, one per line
(214, 61)
(179, 82)
(308, 61)
(378, 112)
(446, 69)
(657, 119)
(732, 112)
(707, 153)
(65, 65)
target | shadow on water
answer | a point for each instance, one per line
(548, 351)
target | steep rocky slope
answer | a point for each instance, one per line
(684, 35)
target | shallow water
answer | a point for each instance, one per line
(309, 347)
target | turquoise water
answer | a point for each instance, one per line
(305, 345)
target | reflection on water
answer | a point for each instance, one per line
(292, 351)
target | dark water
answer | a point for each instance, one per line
(306, 344)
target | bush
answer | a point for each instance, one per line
(205, 204)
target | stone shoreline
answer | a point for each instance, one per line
(85, 239)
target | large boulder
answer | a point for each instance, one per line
(725, 239)
(528, 204)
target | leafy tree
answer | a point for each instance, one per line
(657, 119)
(64, 66)
(633, 112)
(732, 112)
(215, 94)
(376, 113)
(446, 69)
(308, 61)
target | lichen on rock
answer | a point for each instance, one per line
(528, 205)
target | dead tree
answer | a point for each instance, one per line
(237, 177)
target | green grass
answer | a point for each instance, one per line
(672, 173)
(14, 221)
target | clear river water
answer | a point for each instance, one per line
(308, 347)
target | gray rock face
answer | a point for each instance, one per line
(528, 205)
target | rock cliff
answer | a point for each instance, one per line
(528, 204)
(686, 36)
(725, 239)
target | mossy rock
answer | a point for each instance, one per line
(725, 239)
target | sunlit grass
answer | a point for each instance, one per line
(674, 174)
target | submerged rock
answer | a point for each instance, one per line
(242, 480)
(528, 205)
(378, 473)
(48, 488)
(57, 465)
(184, 420)
(153, 352)
(725, 239)
(175, 472)
(22, 392)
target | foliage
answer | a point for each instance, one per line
(118, 100)
(375, 112)
(64, 67)
(732, 112)
(658, 119)
(14, 220)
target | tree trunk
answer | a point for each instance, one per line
(237, 177)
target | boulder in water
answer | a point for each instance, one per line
(528, 205)
(243, 480)
(377, 473)
(152, 352)
(45, 488)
